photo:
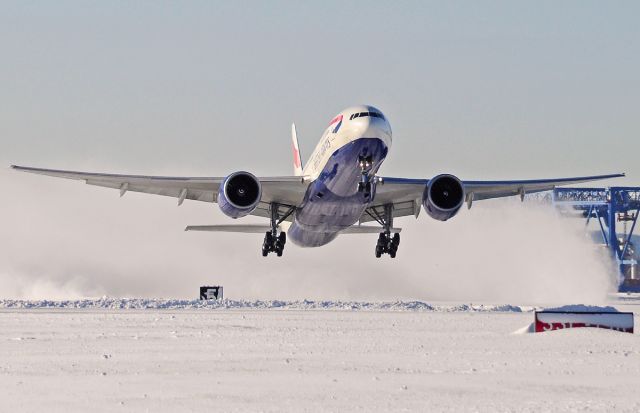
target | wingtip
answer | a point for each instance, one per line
(615, 175)
(20, 168)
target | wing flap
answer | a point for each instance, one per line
(400, 209)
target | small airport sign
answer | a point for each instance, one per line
(211, 292)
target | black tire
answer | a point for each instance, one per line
(279, 252)
(264, 252)
(392, 254)
(282, 238)
(396, 239)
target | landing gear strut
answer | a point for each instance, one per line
(274, 242)
(364, 186)
(387, 243)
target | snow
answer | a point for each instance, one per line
(584, 308)
(528, 329)
(173, 304)
(273, 356)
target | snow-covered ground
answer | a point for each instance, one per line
(175, 304)
(177, 355)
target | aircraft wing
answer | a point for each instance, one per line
(287, 191)
(406, 194)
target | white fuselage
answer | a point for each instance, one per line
(333, 202)
(349, 131)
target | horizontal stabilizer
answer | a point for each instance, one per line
(364, 229)
(261, 229)
(245, 229)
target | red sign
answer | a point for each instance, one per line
(558, 320)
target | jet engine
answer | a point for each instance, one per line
(443, 197)
(239, 194)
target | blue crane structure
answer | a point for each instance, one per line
(610, 206)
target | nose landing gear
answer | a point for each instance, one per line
(364, 186)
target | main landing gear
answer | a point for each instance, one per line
(274, 244)
(274, 241)
(364, 186)
(387, 243)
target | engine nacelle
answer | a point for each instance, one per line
(443, 197)
(239, 194)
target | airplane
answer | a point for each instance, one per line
(337, 191)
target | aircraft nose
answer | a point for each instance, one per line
(371, 126)
(363, 123)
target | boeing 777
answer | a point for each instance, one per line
(334, 193)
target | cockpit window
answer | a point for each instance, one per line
(363, 114)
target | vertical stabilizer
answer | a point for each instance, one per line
(297, 160)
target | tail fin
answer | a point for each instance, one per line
(297, 160)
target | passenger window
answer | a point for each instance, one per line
(363, 114)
